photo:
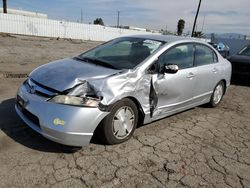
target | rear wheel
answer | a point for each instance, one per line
(217, 94)
(120, 124)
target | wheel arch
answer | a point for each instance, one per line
(141, 114)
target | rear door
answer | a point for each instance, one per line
(206, 63)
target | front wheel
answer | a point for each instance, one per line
(217, 94)
(120, 124)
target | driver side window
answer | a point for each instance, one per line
(181, 55)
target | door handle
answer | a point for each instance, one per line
(215, 70)
(190, 75)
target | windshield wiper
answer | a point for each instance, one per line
(96, 61)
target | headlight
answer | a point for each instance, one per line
(75, 101)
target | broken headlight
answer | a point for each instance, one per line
(78, 96)
(75, 101)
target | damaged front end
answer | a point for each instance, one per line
(105, 92)
(70, 115)
(81, 95)
(100, 92)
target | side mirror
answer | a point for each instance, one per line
(171, 69)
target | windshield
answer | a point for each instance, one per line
(122, 53)
(245, 51)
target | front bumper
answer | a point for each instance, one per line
(64, 124)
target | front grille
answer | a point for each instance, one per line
(35, 88)
(31, 117)
(42, 94)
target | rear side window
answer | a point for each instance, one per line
(204, 55)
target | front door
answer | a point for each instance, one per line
(175, 91)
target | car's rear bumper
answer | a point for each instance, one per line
(64, 124)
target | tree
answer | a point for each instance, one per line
(5, 6)
(180, 26)
(198, 34)
(98, 21)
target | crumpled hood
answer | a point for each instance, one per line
(66, 73)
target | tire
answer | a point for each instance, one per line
(115, 128)
(218, 94)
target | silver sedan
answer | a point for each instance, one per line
(112, 88)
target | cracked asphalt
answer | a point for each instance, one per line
(201, 147)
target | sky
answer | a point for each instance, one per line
(216, 16)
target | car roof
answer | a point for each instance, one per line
(165, 38)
